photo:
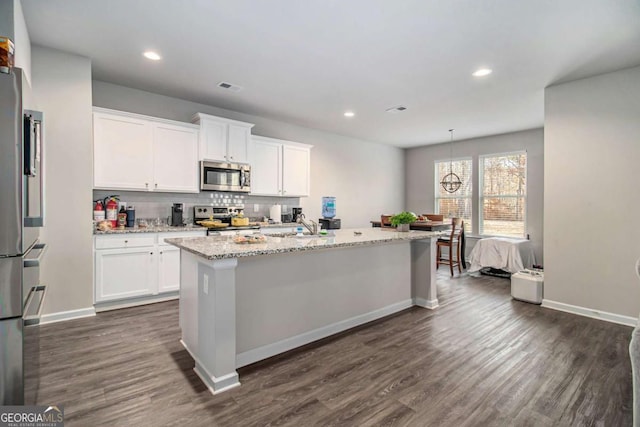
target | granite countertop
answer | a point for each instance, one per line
(221, 247)
(191, 227)
(151, 229)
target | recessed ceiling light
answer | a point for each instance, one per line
(349, 114)
(482, 72)
(152, 55)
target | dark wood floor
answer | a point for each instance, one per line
(481, 359)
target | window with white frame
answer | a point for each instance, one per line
(503, 194)
(458, 204)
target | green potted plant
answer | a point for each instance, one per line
(402, 220)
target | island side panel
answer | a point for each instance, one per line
(216, 355)
(288, 300)
(188, 305)
(423, 273)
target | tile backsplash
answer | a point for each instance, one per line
(158, 205)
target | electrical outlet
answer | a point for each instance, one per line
(256, 207)
(205, 286)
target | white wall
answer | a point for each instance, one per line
(592, 192)
(21, 40)
(367, 178)
(420, 177)
(62, 87)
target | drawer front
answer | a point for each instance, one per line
(125, 241)
(180, 234)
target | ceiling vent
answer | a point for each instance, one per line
(398, 109)
(230, 86)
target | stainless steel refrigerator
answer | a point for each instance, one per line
(21, 217)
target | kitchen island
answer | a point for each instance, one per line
(241, 303)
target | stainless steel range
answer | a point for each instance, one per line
(224, 214)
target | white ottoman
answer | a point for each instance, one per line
(527, 285)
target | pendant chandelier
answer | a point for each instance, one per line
(451, 182)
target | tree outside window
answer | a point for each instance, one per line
(503, 198)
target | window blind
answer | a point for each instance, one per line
(458, 204)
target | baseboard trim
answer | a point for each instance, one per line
(269, 350)
(590, 312)
(62, 316)
(116, 305)
(425, 303)
(215, 384)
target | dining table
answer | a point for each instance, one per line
(423, 225)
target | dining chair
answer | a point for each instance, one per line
(434, 217)
(452, 242)
(385, 221)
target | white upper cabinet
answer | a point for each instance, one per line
(266, 166)
(213, 140)
(175, 154)
(279, 168)
(223, 139)
(133, 152)
(296, 166)
(122, 149)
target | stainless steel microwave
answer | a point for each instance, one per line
(221, 176)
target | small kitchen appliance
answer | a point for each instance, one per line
(295, 213)
(221, 176)
(329, 223)
(176, 215)
(286, 218)
(328, 220)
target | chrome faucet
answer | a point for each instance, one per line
(310, 225)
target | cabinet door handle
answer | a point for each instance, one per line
(156, 185)
(231, 157)
(146, 184)
(126, 241)
(150, 253)
(160, 253)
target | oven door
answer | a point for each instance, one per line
(224, 177)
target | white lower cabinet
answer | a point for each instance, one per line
(168, 269)
(124, 273)
(137, 265)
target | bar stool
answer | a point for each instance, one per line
(452, 241)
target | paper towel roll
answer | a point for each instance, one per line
(275, 213)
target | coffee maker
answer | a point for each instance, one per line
(176, 214)
(295, 213)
